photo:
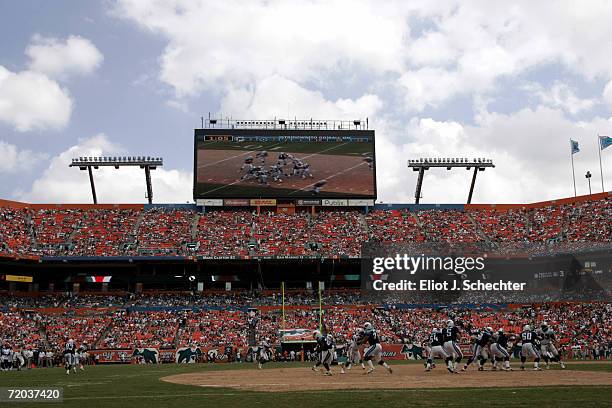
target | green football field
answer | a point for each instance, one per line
(140, 386)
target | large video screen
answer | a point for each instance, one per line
(244, 163)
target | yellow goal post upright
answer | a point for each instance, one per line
(283, 307)
(320, 308)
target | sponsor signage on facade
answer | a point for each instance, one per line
(361, 203)
(309, 202)
(210, 202)
(263, 201)
(335, 203)
(17, 278)
(236, 202)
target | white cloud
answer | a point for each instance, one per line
(280, 97)
(62, 184)
(464, 49)
(607, 94)
(31, 101)
(61, 58)
(560, 95)
(13, 160)
(212, 43)
(470, 45)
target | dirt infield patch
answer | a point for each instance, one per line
(404, 376)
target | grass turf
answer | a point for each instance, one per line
(139, 386)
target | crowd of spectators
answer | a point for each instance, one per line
(244, 233)
(104, 232)
(169, 321)
(15, 231)
(141, 329)
(165, 232)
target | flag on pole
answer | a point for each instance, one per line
(604, 141)
(574, 146)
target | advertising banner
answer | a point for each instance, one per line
(112, 356)
(335, 203)
(16, 278)
(308, 202)
(236, 202)
(209, 202)
(296, 335)
(270, 202)
(361, 203)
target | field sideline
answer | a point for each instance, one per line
(140, 386)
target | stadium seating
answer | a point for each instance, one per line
(217, 319)
(240, 233)
(213, 319)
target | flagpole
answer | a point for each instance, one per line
(573, 172)
(600, 166)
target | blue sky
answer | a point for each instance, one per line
(447, 79)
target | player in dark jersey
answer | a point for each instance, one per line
(530, 347)
(499, 350)
(325, 346)
(451, 342)
(473, 333)
(69, 356)
(262, 156)
(482, 346)
(374, 350)
(6, 357)
(316, 187)
(436, 349)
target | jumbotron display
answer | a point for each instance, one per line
(279, 163)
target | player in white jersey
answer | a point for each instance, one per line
(547, 347)
(353, 356)
(81, 356)
(264, 353)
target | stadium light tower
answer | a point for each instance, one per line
(420, 165)
(147, 163)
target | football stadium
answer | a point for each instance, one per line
(252, 299)
(436, 241)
